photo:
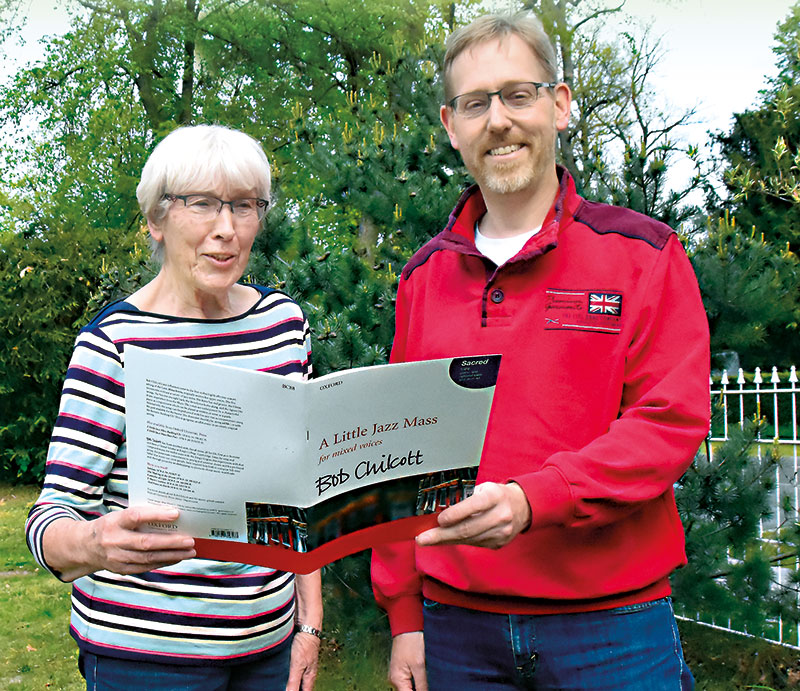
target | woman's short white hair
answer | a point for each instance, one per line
(201, 158)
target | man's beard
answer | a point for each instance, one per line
(513, 179)
(508, 178)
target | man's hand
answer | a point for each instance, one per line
(407, 665)
(492, 517)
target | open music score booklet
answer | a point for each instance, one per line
(271, 470)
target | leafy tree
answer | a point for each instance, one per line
(621, 139)
(127, 73)
(45, 285)
(130, 71)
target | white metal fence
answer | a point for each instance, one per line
(772, 398)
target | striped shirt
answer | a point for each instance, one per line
(217, 612)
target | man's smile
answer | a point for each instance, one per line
(503, 150)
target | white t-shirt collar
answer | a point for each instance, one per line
(500, 250)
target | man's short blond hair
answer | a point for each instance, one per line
(493, 27)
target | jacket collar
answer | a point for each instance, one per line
(459, 233)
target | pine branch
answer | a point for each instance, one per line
(772, 560)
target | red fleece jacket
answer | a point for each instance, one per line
(601, 402)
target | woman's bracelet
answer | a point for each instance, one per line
(305, 628)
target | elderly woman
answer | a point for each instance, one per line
(145, 613)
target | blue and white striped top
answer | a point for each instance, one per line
(215, 612)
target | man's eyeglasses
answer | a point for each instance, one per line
(205, 207)
(516, 96)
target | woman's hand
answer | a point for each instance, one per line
(115, 542)
(303, 664)
(305, 646)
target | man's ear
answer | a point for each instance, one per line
(446, 116)
(562, 99)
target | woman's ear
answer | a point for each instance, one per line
(155, 230)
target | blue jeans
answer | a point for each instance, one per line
(114, 674)
(635, 648)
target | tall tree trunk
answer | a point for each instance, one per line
(187, 84)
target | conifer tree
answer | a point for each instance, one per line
(723, 499)
(762, 150)
(750, 291)
(378, 179)
(757, 304)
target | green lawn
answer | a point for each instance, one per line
(36, 650)
(38, 653)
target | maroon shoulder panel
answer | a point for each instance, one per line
(603, 218)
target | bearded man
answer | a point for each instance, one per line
(554, 574)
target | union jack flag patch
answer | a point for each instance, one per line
(583, 310)
(605, 303)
